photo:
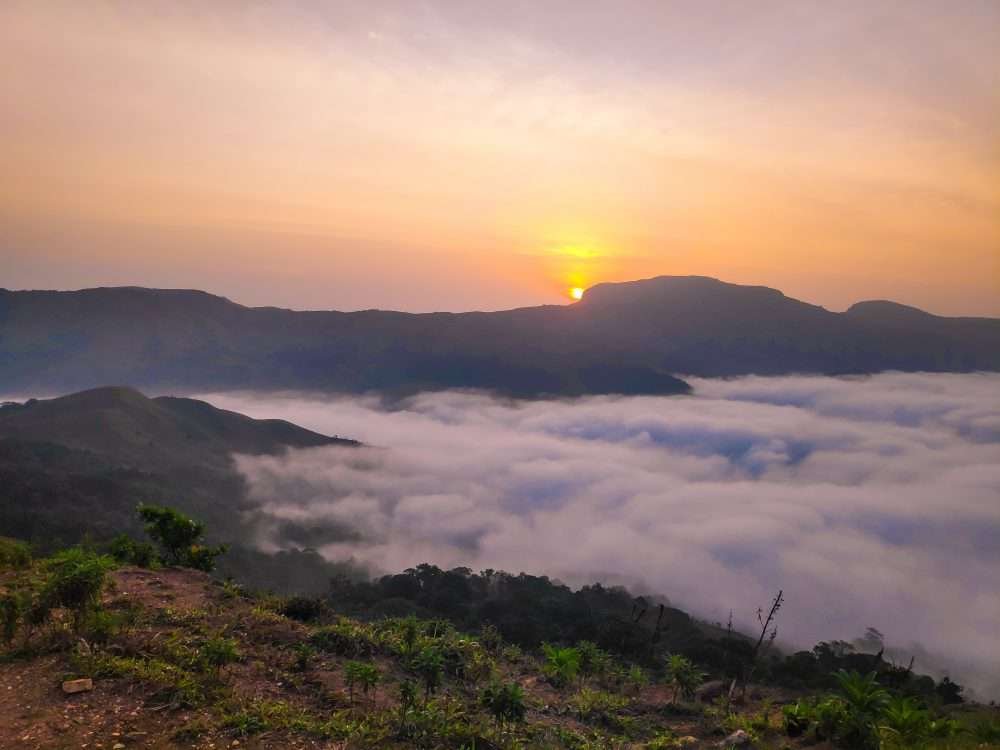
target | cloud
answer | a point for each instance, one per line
(871, 501)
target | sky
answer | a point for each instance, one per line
(466, 154)
(872, 502)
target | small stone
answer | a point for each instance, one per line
(118, 746)
(78, 686)
(739, 738)
(688, 740)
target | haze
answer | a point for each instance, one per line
(459, 155)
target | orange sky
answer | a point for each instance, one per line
(458, 155)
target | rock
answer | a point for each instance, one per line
(78, 686)
(687, 741)
(118, 746)
(739, 738)
(712, 690)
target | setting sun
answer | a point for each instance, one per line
(576, 293)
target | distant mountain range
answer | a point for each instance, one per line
(626, 338)
(77, 466)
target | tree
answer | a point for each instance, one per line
(683, 675)
(179, 537)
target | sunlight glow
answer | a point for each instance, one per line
(576, 293)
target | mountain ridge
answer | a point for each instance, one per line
(621, 338)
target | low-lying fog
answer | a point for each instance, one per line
(871, 502)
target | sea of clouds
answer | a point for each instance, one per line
(870, 501)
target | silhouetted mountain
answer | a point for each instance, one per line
(621, 338)
(77, 466)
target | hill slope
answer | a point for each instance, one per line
(621, 338)
(78, 465)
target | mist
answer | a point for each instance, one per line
(870, 501)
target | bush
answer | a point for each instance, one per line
(127, 550)
(14, 554)
(344, 638)
(684, 676)
(302, 608)
(360, 674)
(599, 706)
(179, 538)
(561, 664)
(75, 581)
(12, 606)
(429, 665)
(864, 701)
(217, 652)
(505, 702)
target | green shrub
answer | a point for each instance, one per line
(12, 606)
(505, 702)
(360, 674)
(429, 665)
(684, 676)
(798, 717)
(986, 732)
(75, 581)
(864, 701)
(14, 554)
(303, 655)
(598, 706)
(218, 652)
(127, 550)
(904, 724)
(636, 679)
(561, 664)
(179, 538)
(345, 638)
(302, 608)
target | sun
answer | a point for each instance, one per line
(576, 292)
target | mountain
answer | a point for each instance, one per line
(150, 433)
(620, 338)
(77, 466)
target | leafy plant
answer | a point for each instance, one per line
(429, 665)
(179, 538)
(218, 652)
(360, 674)
(864, 701)
(75, 581)
(125, 549)
(798, 717)
(636, 678)
(14, 553)
(561, 664)
(684, 676)
(302, 608)
(904, 724)
(505, 702)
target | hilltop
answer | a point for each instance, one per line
(625, 338)
(171, 658)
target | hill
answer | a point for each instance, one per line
(620, 338)
(170, 658)
(78, 465)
